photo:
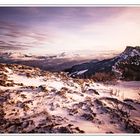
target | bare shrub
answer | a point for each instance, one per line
(122, 112)
(103, 77)
(29, 75)
(114, 93)
(62, 92)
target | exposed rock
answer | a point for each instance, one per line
(43, 88)
(88, 117)
(64, 130)
(25, 124)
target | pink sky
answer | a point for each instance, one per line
(56, 29)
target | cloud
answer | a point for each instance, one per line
(115, 32)
(57, 29)
(14, 35)
(7, 46)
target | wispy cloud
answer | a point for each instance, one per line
(17, 36)
(54, 29)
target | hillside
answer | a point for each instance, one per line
(35, 101)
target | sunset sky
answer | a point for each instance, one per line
(44, 30)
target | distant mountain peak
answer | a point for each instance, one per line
(130, 52)
(131, 48)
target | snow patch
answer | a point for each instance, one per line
(82, 71)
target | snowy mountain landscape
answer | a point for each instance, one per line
(70, 69)
(37, 101)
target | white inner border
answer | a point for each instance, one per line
(72, 3)
(69, 2)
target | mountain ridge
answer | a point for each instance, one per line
(119, 65)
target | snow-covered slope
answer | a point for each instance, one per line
(34, 101)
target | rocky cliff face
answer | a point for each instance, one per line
(128, 64)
